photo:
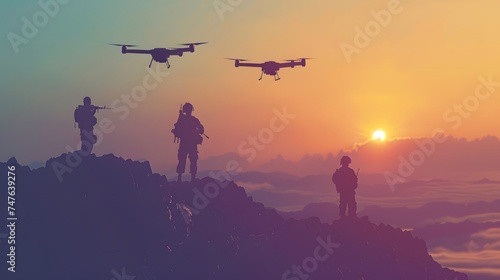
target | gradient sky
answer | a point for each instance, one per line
(426, 59)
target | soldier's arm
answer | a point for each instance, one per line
(334, 176)
(200, 127)
(92, 109)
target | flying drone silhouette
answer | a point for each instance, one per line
(160, 55)
(271, 68)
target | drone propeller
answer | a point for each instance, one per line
(122, 45)
(299, 59)
(237, 59)
(196, 44)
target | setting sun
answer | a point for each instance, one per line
(378, 135)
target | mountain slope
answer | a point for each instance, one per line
(111, 216)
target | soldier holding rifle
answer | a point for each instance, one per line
(188, 131)
(86, 120)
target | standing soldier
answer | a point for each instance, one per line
(189, 130)
(84, 117)
(346, 181)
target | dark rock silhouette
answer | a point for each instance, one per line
(110, 214)
(327, 212)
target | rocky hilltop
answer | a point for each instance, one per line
(110, 218)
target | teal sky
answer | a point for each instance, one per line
(416, 63)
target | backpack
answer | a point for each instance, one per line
(178, 127)
(84, 117)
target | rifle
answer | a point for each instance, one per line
(97, 108)
(176, 139)
(357, 173)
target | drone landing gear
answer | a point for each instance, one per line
(168, 64)
(150, 63)
(277, 77)
(262, 73)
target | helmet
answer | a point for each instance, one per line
(87, 100)
(345, 159)
(188, 107)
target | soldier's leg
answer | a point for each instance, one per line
(342, 204)
(193, 162)
(87, 138)
(181, 156)
(86, 148)
(92, 136)
(352, 204)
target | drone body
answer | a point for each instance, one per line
(271, 68)
(160, 55)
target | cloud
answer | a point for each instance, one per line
(291, 185)
(469, 247)
(481, 259)
(480, 217)
(283, 190)
(255, 186)
(441, 160)
(478, 265)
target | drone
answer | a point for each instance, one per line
(160, 55)
(271, 68)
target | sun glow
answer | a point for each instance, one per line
(378, 135)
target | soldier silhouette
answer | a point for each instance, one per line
(84, 117)
(189, 130)
(86, 120)
(346, 182)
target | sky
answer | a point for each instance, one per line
(414, 69)
(406, 74)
